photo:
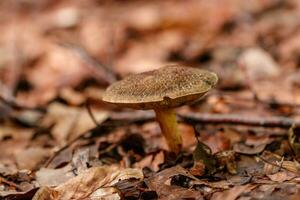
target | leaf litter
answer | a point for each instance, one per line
(55, 57)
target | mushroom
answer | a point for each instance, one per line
(162, 90)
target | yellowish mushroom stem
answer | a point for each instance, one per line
(168, 124)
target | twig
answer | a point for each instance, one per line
(11, 184)
(274, 164)
(281, 163)
(89, 109)
(101, 71)
(280, 122)
(206, 118)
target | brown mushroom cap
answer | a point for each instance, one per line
(167, 87)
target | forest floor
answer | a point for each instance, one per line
(242, 141)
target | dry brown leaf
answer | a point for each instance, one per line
(249, 150)
(8, 169)
(226, 159)
(69, 122)
(218, 142)
(233, 193)
(292, 166)
(71, 96)
(31, 157)
(175, 192)
(282, 176)
(83, 157)
(45, 193)
(64, 17)
(54, 177)
(272, 162)
(150, 54)
(289, 49)
(151, 161)
(57, 69)
(86, 183)
(107, 193)
(258, 64)
(158, 183)
(198, 168)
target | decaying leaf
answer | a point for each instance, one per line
(198, 168)
(28, 195)
(54, 177)
(86, 183)
(70, 122)
(31, 157)
(203, 153)
(282, 176)
(233, 193)
(159, 183)
(107, 193)
(291, 166)
(45, 193)
(249, 150)
(258, 64)
(227, 159)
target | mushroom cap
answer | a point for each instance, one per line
(166, 87)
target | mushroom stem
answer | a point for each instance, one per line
(168, 124)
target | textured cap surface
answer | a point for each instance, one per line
(170, 86)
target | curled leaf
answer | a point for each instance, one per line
(203, 154)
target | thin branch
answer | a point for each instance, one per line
(274, 164)
(89, 109)
(100, 70)
(10, 183)
(205, 118)
(280, 122)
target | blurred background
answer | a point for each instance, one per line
(54, 48)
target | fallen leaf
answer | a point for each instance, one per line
(203, 153)
(69, 122)
(45, 193)
(227, 159)
(86, 183)
(258, 64)
(158, 183)
(249, 150)
(107, 193)
(233, 193)
(218, 142)
(71, 96)
(31, 157)
(292, 166)
(281, 176)
(198, 168)
(82, 157)
(18, 195)
(54, 177)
